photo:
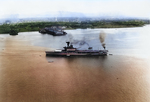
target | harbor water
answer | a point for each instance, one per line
(27, 75)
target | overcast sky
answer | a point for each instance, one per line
(41, 8)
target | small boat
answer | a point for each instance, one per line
(13, 32)
(71, 51)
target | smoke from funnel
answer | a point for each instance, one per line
(70, 38)
(74, 41)
(83, 42)
(102, 36)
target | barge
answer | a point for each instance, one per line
(71, 51)
(54, 30)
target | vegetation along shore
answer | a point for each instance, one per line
(36, 26)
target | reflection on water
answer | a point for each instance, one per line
(27, 75)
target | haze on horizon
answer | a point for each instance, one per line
(74, 8)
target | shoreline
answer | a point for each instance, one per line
(36, 26)
(82, 29)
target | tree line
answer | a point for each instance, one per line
(36, 26)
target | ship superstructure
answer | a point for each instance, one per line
(69, 50)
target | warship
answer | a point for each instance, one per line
(71, 51)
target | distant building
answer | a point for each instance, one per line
(7, 22)
(56, 19)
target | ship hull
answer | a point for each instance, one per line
(50, 53)
(71, 51)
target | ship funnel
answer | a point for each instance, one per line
(90, 48)
(68, 44)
